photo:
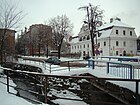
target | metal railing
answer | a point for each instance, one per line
(45, 84)
(124, 70)
(128, 70)
(64, 65)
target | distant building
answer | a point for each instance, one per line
(138, 45)
(36, 40)
(116, 38)
(9, 40)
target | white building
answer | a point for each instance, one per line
(116, 38)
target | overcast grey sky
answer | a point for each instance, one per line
(40, 10)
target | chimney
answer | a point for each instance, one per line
(115, 18)
(111, 20)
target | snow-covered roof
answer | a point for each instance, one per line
(115, 22)
(105, 33)
(75, 40)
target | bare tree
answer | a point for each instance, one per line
(93, 20)
(61, 27)
(41, 34)
(10, 18)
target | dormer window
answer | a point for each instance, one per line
(88, 37)
(84, 38)
(80, 39)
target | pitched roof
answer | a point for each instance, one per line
(115, 22)
(74, 39)
(105, 33)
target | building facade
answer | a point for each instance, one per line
(36, 40)
(113, 39)
(8, 37)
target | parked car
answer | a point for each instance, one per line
(86, 57)
(53, 60)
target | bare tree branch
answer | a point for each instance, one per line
(61, 28)
(10, 18)
(94, 17)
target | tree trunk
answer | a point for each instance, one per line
(39, 50)
(92, 43)
(47, 53)
(59, 52)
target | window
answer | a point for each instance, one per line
(117, 53)
(117, 43)
(130, 33)
(80, 39)
(84, 53)
(84, 46)
(75, 47)
(98, 44)
(84, 38)
(124, 53)
(117, 32)
(123, 32)
(87, 45)
(88, 37)
(104, 43)
(88, 53)
(124, 44)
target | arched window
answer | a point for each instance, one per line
(88, 37)
(84, 38)
(80, 39)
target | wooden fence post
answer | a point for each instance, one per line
(45, 89)
(131, 72)
(107, 67)
(68, 65)
(8, 81)
(137, 92)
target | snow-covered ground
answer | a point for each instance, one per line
(98, 71)
(9, 99)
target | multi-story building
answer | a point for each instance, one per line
(114, 38)
(7, 44)
(7, 37)
(36, 40)
(138, 45)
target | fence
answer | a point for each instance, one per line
(64, 65)
(128, 70)
(125, 70)
(42, 81)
